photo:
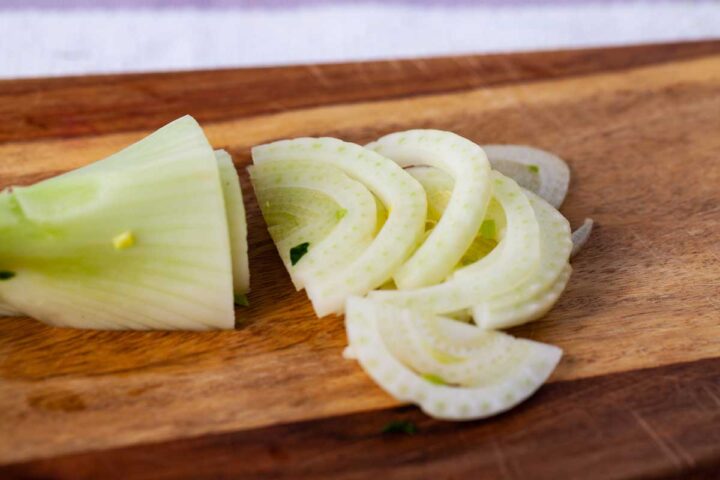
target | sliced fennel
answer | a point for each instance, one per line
(580, 236)
(521, 303)
(438, 187)
(534, 169)
(467, 164)
(352, 231)
(164, 191)
(237, 225)
(539, 291)
(410, 354)
(515, 258)
(532, 308)
(397, 190)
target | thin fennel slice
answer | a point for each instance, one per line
(438, 187)
(353, 230)
(515, 258)
(237, 224)
(396, 189)
(519, 305)
(139, 240)
(531, 309)
(580, 236)
(494, 371)
(534, 169)
(468, 165)
(536, 295)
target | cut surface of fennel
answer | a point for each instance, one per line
(402, 231)
(455, 231)
(452, 370)
(165, 193)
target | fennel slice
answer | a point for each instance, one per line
(237, 223)
(438, 187)
(400, 234)
(536, 295)
(521, 303)
(515, 258)
(455, 230)
(353, 228)
(486, 389)
(530, 309)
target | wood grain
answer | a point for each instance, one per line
(87, 106)
(643, 146)
(657, 423)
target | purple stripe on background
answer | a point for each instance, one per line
(167, 4)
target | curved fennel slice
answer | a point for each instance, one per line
(438, 187)
(515, 258)
(534, 169)
(533, 308)
(520, 304)
(467, 164)
(352, 231)
(413, 356)
(580, 236)
(397, 190)
(138, 242)
(538, 293)
(237, 224)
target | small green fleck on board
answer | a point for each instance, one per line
(298, 251)
(434, 379)
(488, 230)
(123, 240)
(400, 426)
(340, 214)
(534, 168)
(6, 274)
(241, 300)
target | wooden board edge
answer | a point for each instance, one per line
(84, 106)
(661, 422)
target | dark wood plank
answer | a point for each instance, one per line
(82, 106)
(655, 423)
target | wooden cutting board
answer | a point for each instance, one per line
(637, 393)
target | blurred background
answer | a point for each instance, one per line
(70, 37)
